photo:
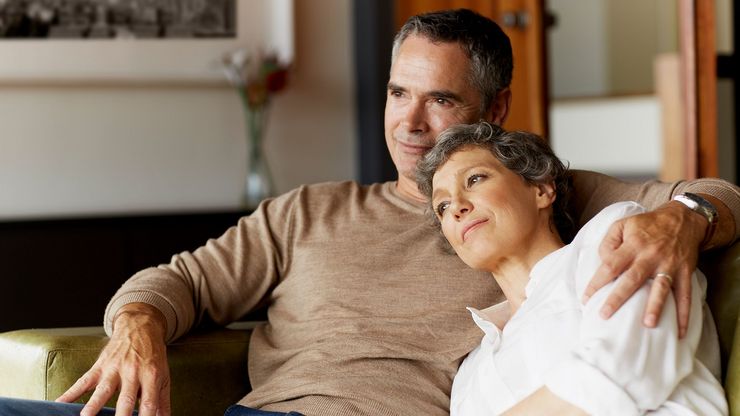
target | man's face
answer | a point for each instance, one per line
(428, 91)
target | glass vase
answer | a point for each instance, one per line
(259, 180)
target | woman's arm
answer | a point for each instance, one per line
(618, 366)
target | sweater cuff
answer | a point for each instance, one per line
(149, 298)
(586, 387)
(727, 194)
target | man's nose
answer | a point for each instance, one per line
(415, 116)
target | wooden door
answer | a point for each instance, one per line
(523, 22)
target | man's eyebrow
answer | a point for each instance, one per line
(392, 86)
(446, 94)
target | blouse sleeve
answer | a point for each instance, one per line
(620, 367)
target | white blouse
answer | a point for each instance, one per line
(605, 367)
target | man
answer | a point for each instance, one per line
(366, 311)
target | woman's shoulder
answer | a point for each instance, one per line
(595, 229)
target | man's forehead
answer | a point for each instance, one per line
(433, 66)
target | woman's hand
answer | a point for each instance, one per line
(133, 361)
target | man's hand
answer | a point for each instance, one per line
(640, 247)
(135, 360)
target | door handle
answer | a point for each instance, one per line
(515, 19)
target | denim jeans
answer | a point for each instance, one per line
(22, 407)
(238, 410)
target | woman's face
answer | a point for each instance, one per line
(486, 211)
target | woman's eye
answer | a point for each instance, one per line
(441, 207)
(473, 179)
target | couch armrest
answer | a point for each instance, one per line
(732, 376)
(722, 268)
(208, 368)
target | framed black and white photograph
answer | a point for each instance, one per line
(167, 41)
(106, 19)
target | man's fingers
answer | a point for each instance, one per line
(626, 285)
(103, 392)
(659, 291)
(151, 388)
(84, 384)
(165, 407)
(614, 261)
(682, 291)
(127, 398)
(604, 274)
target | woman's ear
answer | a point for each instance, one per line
(545, 195)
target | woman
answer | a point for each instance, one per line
(498, 198)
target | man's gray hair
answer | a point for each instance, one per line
(487, 46)
(523, 153)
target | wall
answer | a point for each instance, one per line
(606, 47)
(586, 135)
(603, 115)
(95, 150)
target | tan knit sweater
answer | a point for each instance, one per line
(366, 311)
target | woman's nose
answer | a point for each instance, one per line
(461, 207)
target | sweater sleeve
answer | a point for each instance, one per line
(222, 280)
(594, 191)
(620, 367)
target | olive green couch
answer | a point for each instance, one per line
(209, 368)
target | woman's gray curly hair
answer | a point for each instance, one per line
(525, 154)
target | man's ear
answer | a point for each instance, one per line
(498, 112)
(545, 194)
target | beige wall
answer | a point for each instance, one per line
(606, 47)
(99, 150)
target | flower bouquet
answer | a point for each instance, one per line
(256, 77)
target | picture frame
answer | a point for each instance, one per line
(266, 25)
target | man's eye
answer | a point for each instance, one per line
(395, 93)
(473, 179)
(442, 101)
(441, 207)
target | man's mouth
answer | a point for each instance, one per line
(412, 148)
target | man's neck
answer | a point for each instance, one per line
(407, 189)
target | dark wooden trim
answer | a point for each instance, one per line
(373, 39)
(687, 39)
(706, 61)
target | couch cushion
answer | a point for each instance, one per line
(208, 368)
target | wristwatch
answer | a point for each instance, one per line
(702, 207)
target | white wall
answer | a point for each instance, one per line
(70, 151)
(606, 47)
(616, 136)
(578, 49)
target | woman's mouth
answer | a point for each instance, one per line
(472, 226)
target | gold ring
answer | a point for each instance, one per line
(666, 276)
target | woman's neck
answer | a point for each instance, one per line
(512, 273)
